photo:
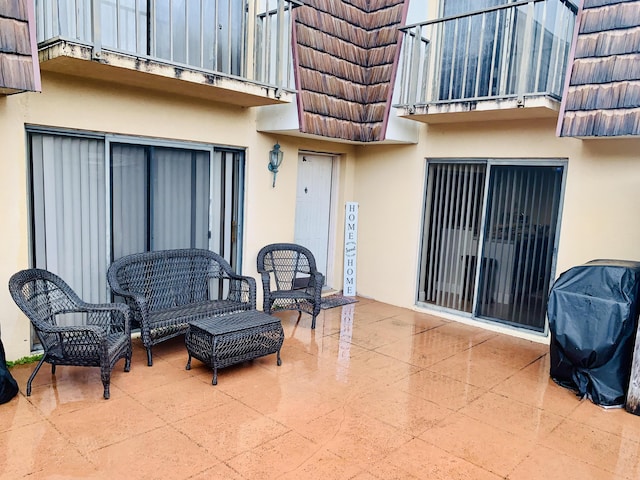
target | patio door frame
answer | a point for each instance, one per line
(233, 202)
(489, 163)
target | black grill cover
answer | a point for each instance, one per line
(593, 314)
(8, 384)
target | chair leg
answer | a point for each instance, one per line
(127, 358)
(316, 312)
(106, 381)
(106, 393)
(33, 374)
(149, 360)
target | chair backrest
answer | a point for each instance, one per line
(41, 295)
(169, 278)
(289, 263)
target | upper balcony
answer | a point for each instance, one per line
(503, 62)
(231, 51)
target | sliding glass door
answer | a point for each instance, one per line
(490, 232)
(160, 198)
(97, 198)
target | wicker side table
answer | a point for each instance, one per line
(233, 338)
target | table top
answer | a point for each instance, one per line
(231, 322)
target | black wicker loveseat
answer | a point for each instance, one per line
(167, 289)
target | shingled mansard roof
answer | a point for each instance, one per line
(19, 68)
(346, 51)
(603, 94)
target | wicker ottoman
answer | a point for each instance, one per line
(233, 338)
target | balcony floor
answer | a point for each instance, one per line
(393, 395)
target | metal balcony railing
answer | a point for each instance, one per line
(510, 51)
(249, 39)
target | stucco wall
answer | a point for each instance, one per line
(388, 181)
(14, 329)
(599, 218)
(73, 103)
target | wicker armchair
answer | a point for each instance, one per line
(290, 279)
(96, 335)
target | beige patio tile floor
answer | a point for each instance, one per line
(375, 392)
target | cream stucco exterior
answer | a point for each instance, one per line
(598, 212)
(75, 103)
(602, 187)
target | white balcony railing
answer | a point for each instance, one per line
(249, 39)
(514, 50)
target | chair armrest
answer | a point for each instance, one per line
(318, 279)
(115, 316)
(98, 332)
(315, 285)
(134, 300)
(101, 315)
(242, 289)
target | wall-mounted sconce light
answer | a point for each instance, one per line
(275, 160)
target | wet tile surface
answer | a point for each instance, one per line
(374, 392)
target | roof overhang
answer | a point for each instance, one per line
(284, 120)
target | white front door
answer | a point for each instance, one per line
(313, 206)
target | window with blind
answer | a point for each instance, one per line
(97, 198)
(489, 237)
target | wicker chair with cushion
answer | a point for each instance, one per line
(290, 279)
(167, 289)
(71, 331)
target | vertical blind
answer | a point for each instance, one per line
(489, 253)
(160, 198)
(455, 195)
(69, 211)
(518, 244)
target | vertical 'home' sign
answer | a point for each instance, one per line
(350, 249)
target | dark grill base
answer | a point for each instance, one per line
(233, 338)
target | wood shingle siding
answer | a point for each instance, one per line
(336, 47)
(19, 69)
(14, 37)
(592, 123)
(611, 17)
(14, 9)
(617, 68)
(602, 3)
(605, 97)
(341, 88)
(603, 94)
(602, 44)
(335, 128)
(345, 58)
